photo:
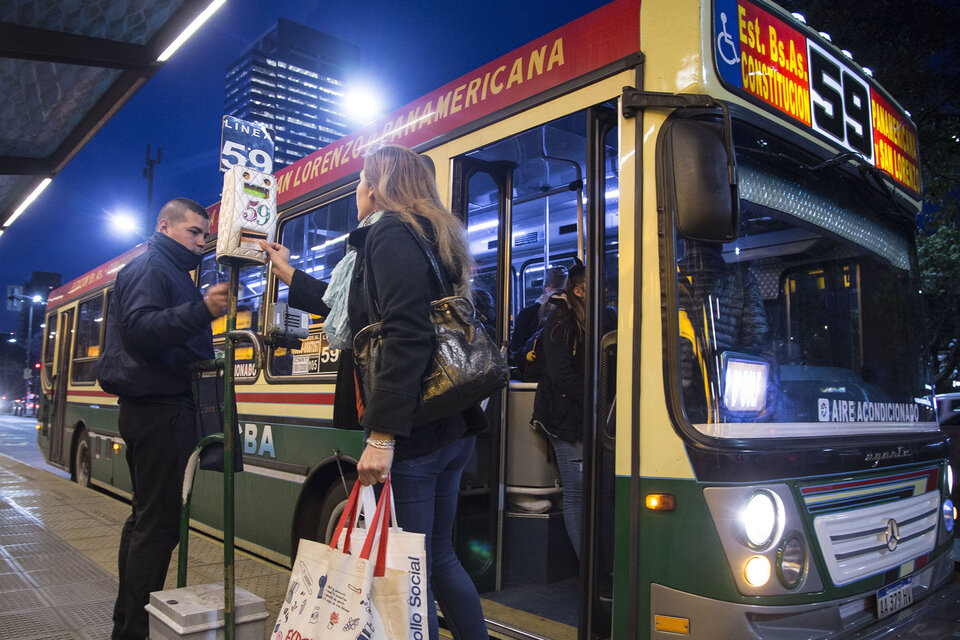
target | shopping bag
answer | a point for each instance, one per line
(338, 595)
(328, 595)
(402, 605)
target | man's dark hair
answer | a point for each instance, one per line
(176, 210)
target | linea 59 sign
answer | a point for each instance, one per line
(764, 57)
(247, 144)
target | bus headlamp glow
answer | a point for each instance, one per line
(791, 561)
(758, 519)
(756, 571)
(949, 514)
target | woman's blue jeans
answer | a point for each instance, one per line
(570, 461)
(426, 490)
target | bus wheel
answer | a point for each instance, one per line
(81, 460)
(334, 502)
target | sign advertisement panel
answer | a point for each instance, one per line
(247, 144)
(760, 55)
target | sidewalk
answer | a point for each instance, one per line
(58, 559)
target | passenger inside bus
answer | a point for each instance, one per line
(558, 406)
(530, 318)
(721, 309)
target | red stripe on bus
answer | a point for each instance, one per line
(287, 398)
(91, 394)
(931, 474)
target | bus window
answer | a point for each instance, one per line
(805, 319)
(317, 241)
(86, 349)
(253, 281)
(49, 343)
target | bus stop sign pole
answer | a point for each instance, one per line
(229, 437)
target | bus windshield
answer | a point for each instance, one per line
(809, 324)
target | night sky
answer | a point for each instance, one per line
(408, 50)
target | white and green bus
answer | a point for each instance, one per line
(762, 457)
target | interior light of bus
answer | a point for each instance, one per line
(671, 624)
(483, 226)
(756, 571)
(661, 502)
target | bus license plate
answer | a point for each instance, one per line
(894, 597)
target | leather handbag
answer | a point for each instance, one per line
(466, 366)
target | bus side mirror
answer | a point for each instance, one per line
(697, 181)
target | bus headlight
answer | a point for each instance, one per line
(759, 519)
(756, 571)
(949, 514)
(791, 560)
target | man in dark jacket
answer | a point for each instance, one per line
(158, 322)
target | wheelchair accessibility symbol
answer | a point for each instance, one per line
(726, 45)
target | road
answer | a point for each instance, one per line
(18, 439)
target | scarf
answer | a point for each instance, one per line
(337, 324)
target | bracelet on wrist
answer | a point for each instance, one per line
(381, 444)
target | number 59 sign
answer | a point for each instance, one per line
(247, 144)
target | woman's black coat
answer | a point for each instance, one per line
(402, 285)
(558, 405)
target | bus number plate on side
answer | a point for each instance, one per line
(894, 597)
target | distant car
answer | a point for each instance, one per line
(26, 406)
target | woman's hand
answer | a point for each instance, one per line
(374, 465)
(280, 257)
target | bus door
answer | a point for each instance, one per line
(61, 379)
(557, 204)
(481, 198)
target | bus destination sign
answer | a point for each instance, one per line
(758, 54)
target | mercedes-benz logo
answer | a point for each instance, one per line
(892, 534)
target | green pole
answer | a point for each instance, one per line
(229, 418)
(185, 506)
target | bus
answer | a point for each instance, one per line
(761, 456)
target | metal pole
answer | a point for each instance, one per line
(229, 418)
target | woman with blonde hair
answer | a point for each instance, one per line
(398, 208)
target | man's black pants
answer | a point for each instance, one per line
(159, 439)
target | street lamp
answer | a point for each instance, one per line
(32, 300)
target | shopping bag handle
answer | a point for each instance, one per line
(347, 520)
(381, 520)
(368, 506)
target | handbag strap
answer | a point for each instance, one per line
(435, 269)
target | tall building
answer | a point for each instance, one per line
(292, 80)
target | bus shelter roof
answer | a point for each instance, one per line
(66, 68)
